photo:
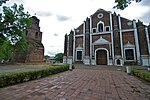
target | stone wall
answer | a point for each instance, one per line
(35, 51)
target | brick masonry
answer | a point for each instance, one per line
(128, 39)
(35, 52)
(86, 83)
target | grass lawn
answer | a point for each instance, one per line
(141, 72)
(4, 69)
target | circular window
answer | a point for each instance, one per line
(129, 23)
(77, 30)
(100, 15)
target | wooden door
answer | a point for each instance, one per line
(101, 57)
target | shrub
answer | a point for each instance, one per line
(144, 74)
(19, 77)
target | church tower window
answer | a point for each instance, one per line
(26, 33)
(36, 35)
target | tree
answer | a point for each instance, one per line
(13, 24)
(122, 4)
(59, 57)
(2, 1)
(46, 57)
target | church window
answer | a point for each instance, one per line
(107, 28)
(36, 23)
(79, 55)
(77, 30)
(36, 35)
(26, 33)
(94, 30)
(100, 15)
(129, 53)
(100, 26)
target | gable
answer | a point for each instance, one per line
(126, 23)
(79, 30)
(100, 15)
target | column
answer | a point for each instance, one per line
(136, 42)
(84, 39)
(65, 49)
(74, 46)
(70, 54)
(91, 54)
(121, 43)
(148, 45)
(147, 38)
(112, 38)
(87, 42)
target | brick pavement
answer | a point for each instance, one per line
(80, 84)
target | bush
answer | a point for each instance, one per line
(19, 77)
(144, 74)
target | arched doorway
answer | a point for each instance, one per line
(101, 57)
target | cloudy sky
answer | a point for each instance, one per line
(58, 17)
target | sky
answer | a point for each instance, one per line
(58, 17)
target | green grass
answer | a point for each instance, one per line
(141, 73)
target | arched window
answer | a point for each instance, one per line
(36, 35)
(26, 33)
(100, 26)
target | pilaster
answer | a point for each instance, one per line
(74, 46)
(136, 42)
(147, 38)
(91, 38)
(84, 40)
(65, 49)
(120, 31)
(112, 37)
(87, 42)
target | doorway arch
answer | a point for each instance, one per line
(101, 55)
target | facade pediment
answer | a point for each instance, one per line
(128, 45)
(101, 40)
(79, 47)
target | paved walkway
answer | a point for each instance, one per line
(80, 84)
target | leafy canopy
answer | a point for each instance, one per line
(59, 57)
(122, 4)
(3, 1)
(13, 24)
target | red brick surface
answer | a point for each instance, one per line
(80, 84)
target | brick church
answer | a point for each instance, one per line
(106, 38)
(35, 52)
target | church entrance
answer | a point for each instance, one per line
(101, 57)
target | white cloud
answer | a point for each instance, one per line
(43, 13)
(63, 18)
(58, 17)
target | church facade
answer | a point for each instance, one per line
(106, 38)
